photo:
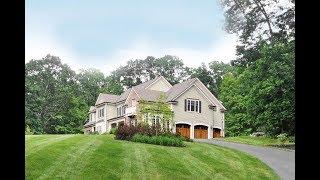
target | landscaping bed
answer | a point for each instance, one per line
(145, 133)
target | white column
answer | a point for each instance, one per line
(209, 132)
(192, 131)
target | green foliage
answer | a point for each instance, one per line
(28, 131)
(159, 140)
(57, 99)
(170, 67)
(283, 137)
(211, 77)
(158, 108)
(261, 98)
(256, 22)
(113, 131)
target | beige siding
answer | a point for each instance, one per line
(111, 111)
(206, 117)
(209, 95)
(160, 85)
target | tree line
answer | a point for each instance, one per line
(257, 88)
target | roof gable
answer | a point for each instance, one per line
(160, 84)
(178, 89)
(105, 98)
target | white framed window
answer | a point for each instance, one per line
(101, 113)
(193, 105)
(121, 110)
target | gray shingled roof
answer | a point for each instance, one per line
(102, 98)
(145, 84)
(149, 95)
(124, 95)
(179, 88)
(146, 94)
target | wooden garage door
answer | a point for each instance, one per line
(200, 132)
(216, 133)
(183, 129)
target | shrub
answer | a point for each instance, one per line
(257, 134)
(113, 131)
(282, 137)
(94, 133)
(28, 131)
(158, 140)
(126, 132)
(292, 139)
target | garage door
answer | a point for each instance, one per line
(216, 133)
(183, 129)
(200, 132)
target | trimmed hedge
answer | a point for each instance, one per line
(159, 140)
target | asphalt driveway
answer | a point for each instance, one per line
(282, 161)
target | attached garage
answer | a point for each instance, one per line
(200, 132)
(183, 129)
(216, 133)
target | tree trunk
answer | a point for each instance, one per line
(260, 6)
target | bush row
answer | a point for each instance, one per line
(149, 134)
(159, 140)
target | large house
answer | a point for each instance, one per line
(197, 112)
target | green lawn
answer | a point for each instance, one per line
(102, 157)
(258, 141)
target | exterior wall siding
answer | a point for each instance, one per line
(160, 85)
(207, 117)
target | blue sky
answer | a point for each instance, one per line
(105, 34)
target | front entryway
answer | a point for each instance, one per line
(200, 132)
(183, 129)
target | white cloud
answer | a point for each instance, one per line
(39, 46)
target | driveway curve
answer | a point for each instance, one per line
(281, 161)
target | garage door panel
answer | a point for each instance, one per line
(216, 133)
(183, 129)
(200, 132)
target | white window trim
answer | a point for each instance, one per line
(121, 110)
(101, 113)
(189, 105)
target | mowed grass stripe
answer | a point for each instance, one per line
(167, 163)
(228, 161)
(35, 145)
(138, 164)
(40, 163)
(106, 161)
(74, 160)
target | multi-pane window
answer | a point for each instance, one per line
(101, 112)
(193, 105)
(121, 110)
